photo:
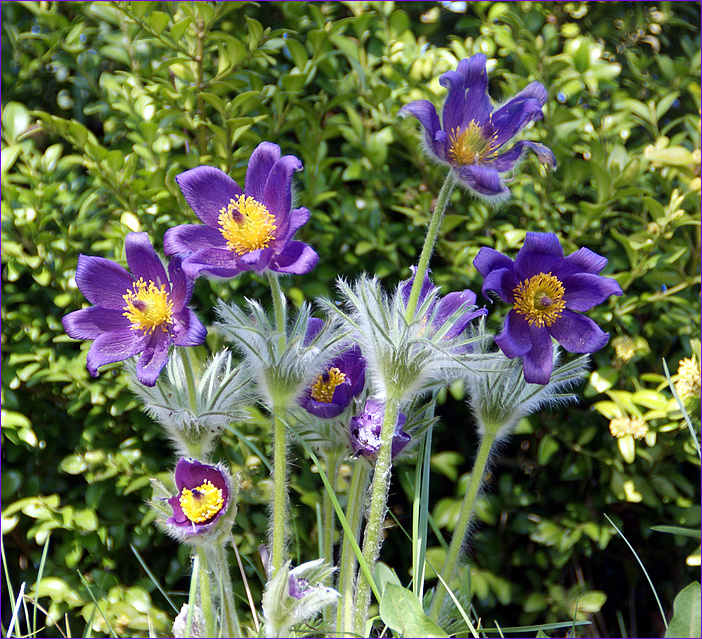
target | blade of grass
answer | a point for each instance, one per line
(192, 594)
(15, 611)
(655, 594)
(249, 597)
(420, 512)
(469, 623)
(153, 578)
(683, 410)
(97, 605)
(40, 573)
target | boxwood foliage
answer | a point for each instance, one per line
(104, 103)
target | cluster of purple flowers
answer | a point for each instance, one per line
(251, 229)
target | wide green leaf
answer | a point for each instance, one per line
(686, 618)
(402, 611)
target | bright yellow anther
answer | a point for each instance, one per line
(323, 390)
(148, 306)
(540, 299)
(201, 503)
(468, 145)
(246, 224)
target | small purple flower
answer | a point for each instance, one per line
(343, 379)
(143, 312)
(548, 291)
(249, 230)
(471, 135)
(204, 493)
(365, 431)
(441, 310)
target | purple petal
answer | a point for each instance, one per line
(143, 261)
(208, 190)
(115, 346)
(90, 323)
(314, 328)
(261, 162)
(515, 339)
(584, 291)
(541, 253)
(103, 282)
(488, 259)
(483, 180)
(277, 194)
(537, 364)
(298, 218)
(523, 108)
(190, 474)
(577, 333)
(214, 262)
(582, 261)
(451, 304)
(425, 112)
(405, 288)
(181, 284)
(508, 160)
(502, 282)
(297, 258)
(189, 238)
(187, 329)
(467, 98)
(154, 357)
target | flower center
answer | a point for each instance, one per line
(469, 146)
(201, 503)
(323, 389)
(540, 299)
(147, 306)
(246, 224)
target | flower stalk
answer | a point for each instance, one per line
(376, 513)
(465, 516)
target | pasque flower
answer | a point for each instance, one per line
(244, 230)
(204, 496)
(343, 379)
(548, 291)
(142, 312)
(364, 431)
(471, 134)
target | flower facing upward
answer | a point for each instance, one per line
(343, 379)
(249, 230)
(546, 289)
(365, 431)
(143, 312)
(204, 494)
(471, 135)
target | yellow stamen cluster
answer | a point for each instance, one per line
(148, 306)
(688, 384)
(624, 347)
(201, 503)
(540, 299)
(323, 390)
(468, 145)
(623, 426)
(246, 224)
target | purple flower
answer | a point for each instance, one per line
(365, 431)
(204, 493)
(546, 290)
(143, 312)
(456, 307)
(249, 230)
(471, 135)
(343, 379)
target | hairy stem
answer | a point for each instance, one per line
(347, 563)
(464, 519)
(437, 217)
(376, 513)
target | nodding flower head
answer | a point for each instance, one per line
(471, 135)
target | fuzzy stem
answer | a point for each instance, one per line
(376, 513)
(205, 593)
(437, 217)
(279, 523)
(278, 308)
(328, 521)
(229, 621)
(347, 564)
(464, 519)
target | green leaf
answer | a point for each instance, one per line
(686, 618)
(158, 21)
(402, 611)
(678, 530)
